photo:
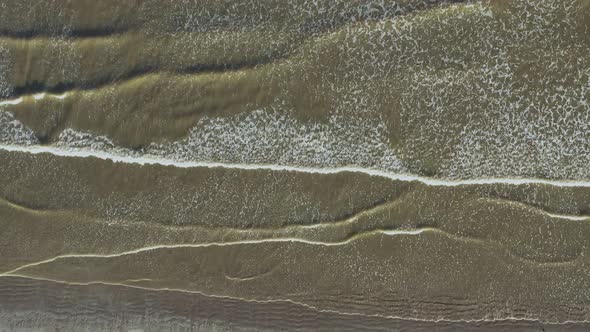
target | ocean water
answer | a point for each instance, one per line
(295, 165)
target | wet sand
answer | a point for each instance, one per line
(103, 307)
(407, 250)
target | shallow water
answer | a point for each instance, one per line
(301, 165)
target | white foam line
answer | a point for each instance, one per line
(152, 160)
(214, 244)
(37, 96)
(569, 217)
(405, 231)
(538, 210)
(12, 101)
(62, 96)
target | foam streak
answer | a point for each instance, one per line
(152, 160)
